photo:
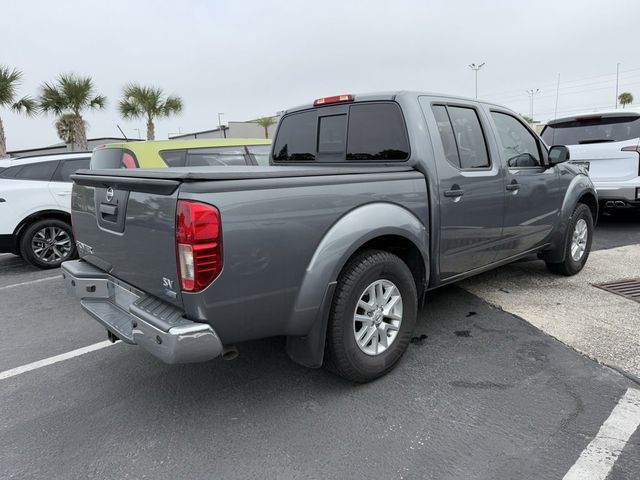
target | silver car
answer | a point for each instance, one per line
(607, 144)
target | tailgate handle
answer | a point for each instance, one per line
(108, 209)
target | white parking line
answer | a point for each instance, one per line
(51, 360)
(596, 460)
(46, 279)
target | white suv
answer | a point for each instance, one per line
(35, 206)
(608, 145)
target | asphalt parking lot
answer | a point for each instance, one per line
(480, 394)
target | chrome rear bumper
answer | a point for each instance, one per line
(140, 319)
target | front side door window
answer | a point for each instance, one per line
(519, 147)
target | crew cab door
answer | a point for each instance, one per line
(532, 191)
(470, 187)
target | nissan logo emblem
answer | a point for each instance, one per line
(109, 195)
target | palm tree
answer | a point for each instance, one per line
(65, 127)
(149, 102)
(71, 94)
(266, 122)
(625, 98)
(9, 80)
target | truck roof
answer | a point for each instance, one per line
(393, 95)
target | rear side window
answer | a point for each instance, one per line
(37, 171)
(462, 137)
(377, 132)
(113, 158)
(358, 132)
(592, 129)
(446, 135)
(201, 157)
(10, 172)
(296, 140)
(174, 158)
(69, 167)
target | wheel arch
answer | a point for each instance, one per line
(580, 190)
(381, 226)
(36, 216)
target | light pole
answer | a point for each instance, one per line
(531, 93)
(617, 78)
(220, 124)
(475, 68)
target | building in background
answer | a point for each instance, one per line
(249, 129)
(63, 148)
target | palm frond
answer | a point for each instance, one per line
(9, 81)
(129, 109)
(147, 101)
(70, 93)
(27, 105)
(172, 105)
(265, 122)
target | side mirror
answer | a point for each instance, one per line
(558, 154)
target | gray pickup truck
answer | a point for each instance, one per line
(370, 202)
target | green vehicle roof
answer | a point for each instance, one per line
(148, 152)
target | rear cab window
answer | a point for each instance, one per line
(107, 158)
(365, 131)
(592, 129)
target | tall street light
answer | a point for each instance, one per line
(531, 93)
(475, 68)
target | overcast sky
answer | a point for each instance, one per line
(251, 58)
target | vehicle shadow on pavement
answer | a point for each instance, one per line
(617, 229)
(479, 394)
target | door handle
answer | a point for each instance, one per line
(455, 192)
(62, 194)
(513, 186)
(107, 209)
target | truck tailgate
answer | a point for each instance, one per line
(126, 227)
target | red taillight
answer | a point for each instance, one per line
(588, 118)
(636, 149)
(335, 99)
(128, 161)
(198, 244)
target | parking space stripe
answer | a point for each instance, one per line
(598, 458)
(51, 360)
(46, 279)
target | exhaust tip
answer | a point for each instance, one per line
(620, 204)
(230, 353)
(610, 204)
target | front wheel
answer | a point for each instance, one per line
(47, 243)
(372, 316)
(578, 242)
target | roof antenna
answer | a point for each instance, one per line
(125, 137)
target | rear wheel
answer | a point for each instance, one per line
(372, 317)
(47, 243)
(578, 242)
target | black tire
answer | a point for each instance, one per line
(27, 237)
(343, 356)
(570, 266)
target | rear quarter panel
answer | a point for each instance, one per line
(270, 235)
